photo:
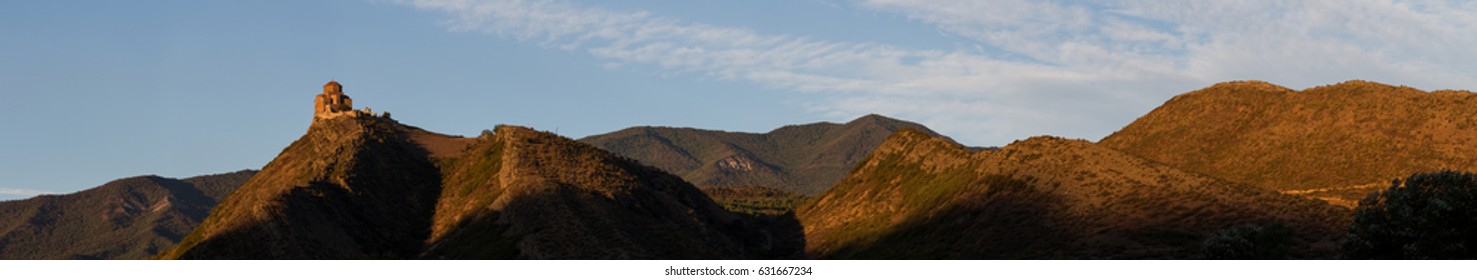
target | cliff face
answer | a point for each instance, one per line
(919, 196)
(366, 187)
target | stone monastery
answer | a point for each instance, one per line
(333, 103)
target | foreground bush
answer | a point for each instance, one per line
(1428, 216)
(1249, 242)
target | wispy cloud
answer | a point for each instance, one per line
(1070, 69)
(793, 63)
(13, 192)
(1302, 43)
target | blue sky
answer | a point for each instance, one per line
(97, 90)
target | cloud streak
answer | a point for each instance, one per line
(1076, 70)
(1301, 43)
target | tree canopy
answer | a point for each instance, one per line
(1427, 216)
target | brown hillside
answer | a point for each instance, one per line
(367, 187)
(130, 218)
(804, 159)
(519, 193)
(922, 197)
(352, 187)
(1336, 142)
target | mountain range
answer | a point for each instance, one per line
(367, 187)
(923, 197)
(805, 159)
(1207, 165)
(130, 218)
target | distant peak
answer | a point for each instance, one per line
(875, 118)
(1354, 84)
(1036, 141)
(1249, 84)
(1234, 90)
(1361, 82)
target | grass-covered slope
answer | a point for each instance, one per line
(130, 218)
(923, 197)
(1336, 142)
(804, 159)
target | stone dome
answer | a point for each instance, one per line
(333, 86)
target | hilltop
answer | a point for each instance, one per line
(805, 159)
(1336, 143)
(551, 197)
(129, 218)
(362, 186)
(923, 197)
(351, 187)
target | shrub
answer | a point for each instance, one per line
(1249, 242)
(1429, 216)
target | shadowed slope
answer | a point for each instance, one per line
(923, 197)
(366, 187)
(805, 159)
(519, 193)
(1336, 142)
(130, 218)
(352, 187)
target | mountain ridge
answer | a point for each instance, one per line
(1334, 142)
(361, 187)
(127, 218)
(918, 196)
(804, 158)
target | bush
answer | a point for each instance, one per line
(1430, 216)
(1249, 242)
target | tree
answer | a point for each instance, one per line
(1249, 242)
(1429, 216)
